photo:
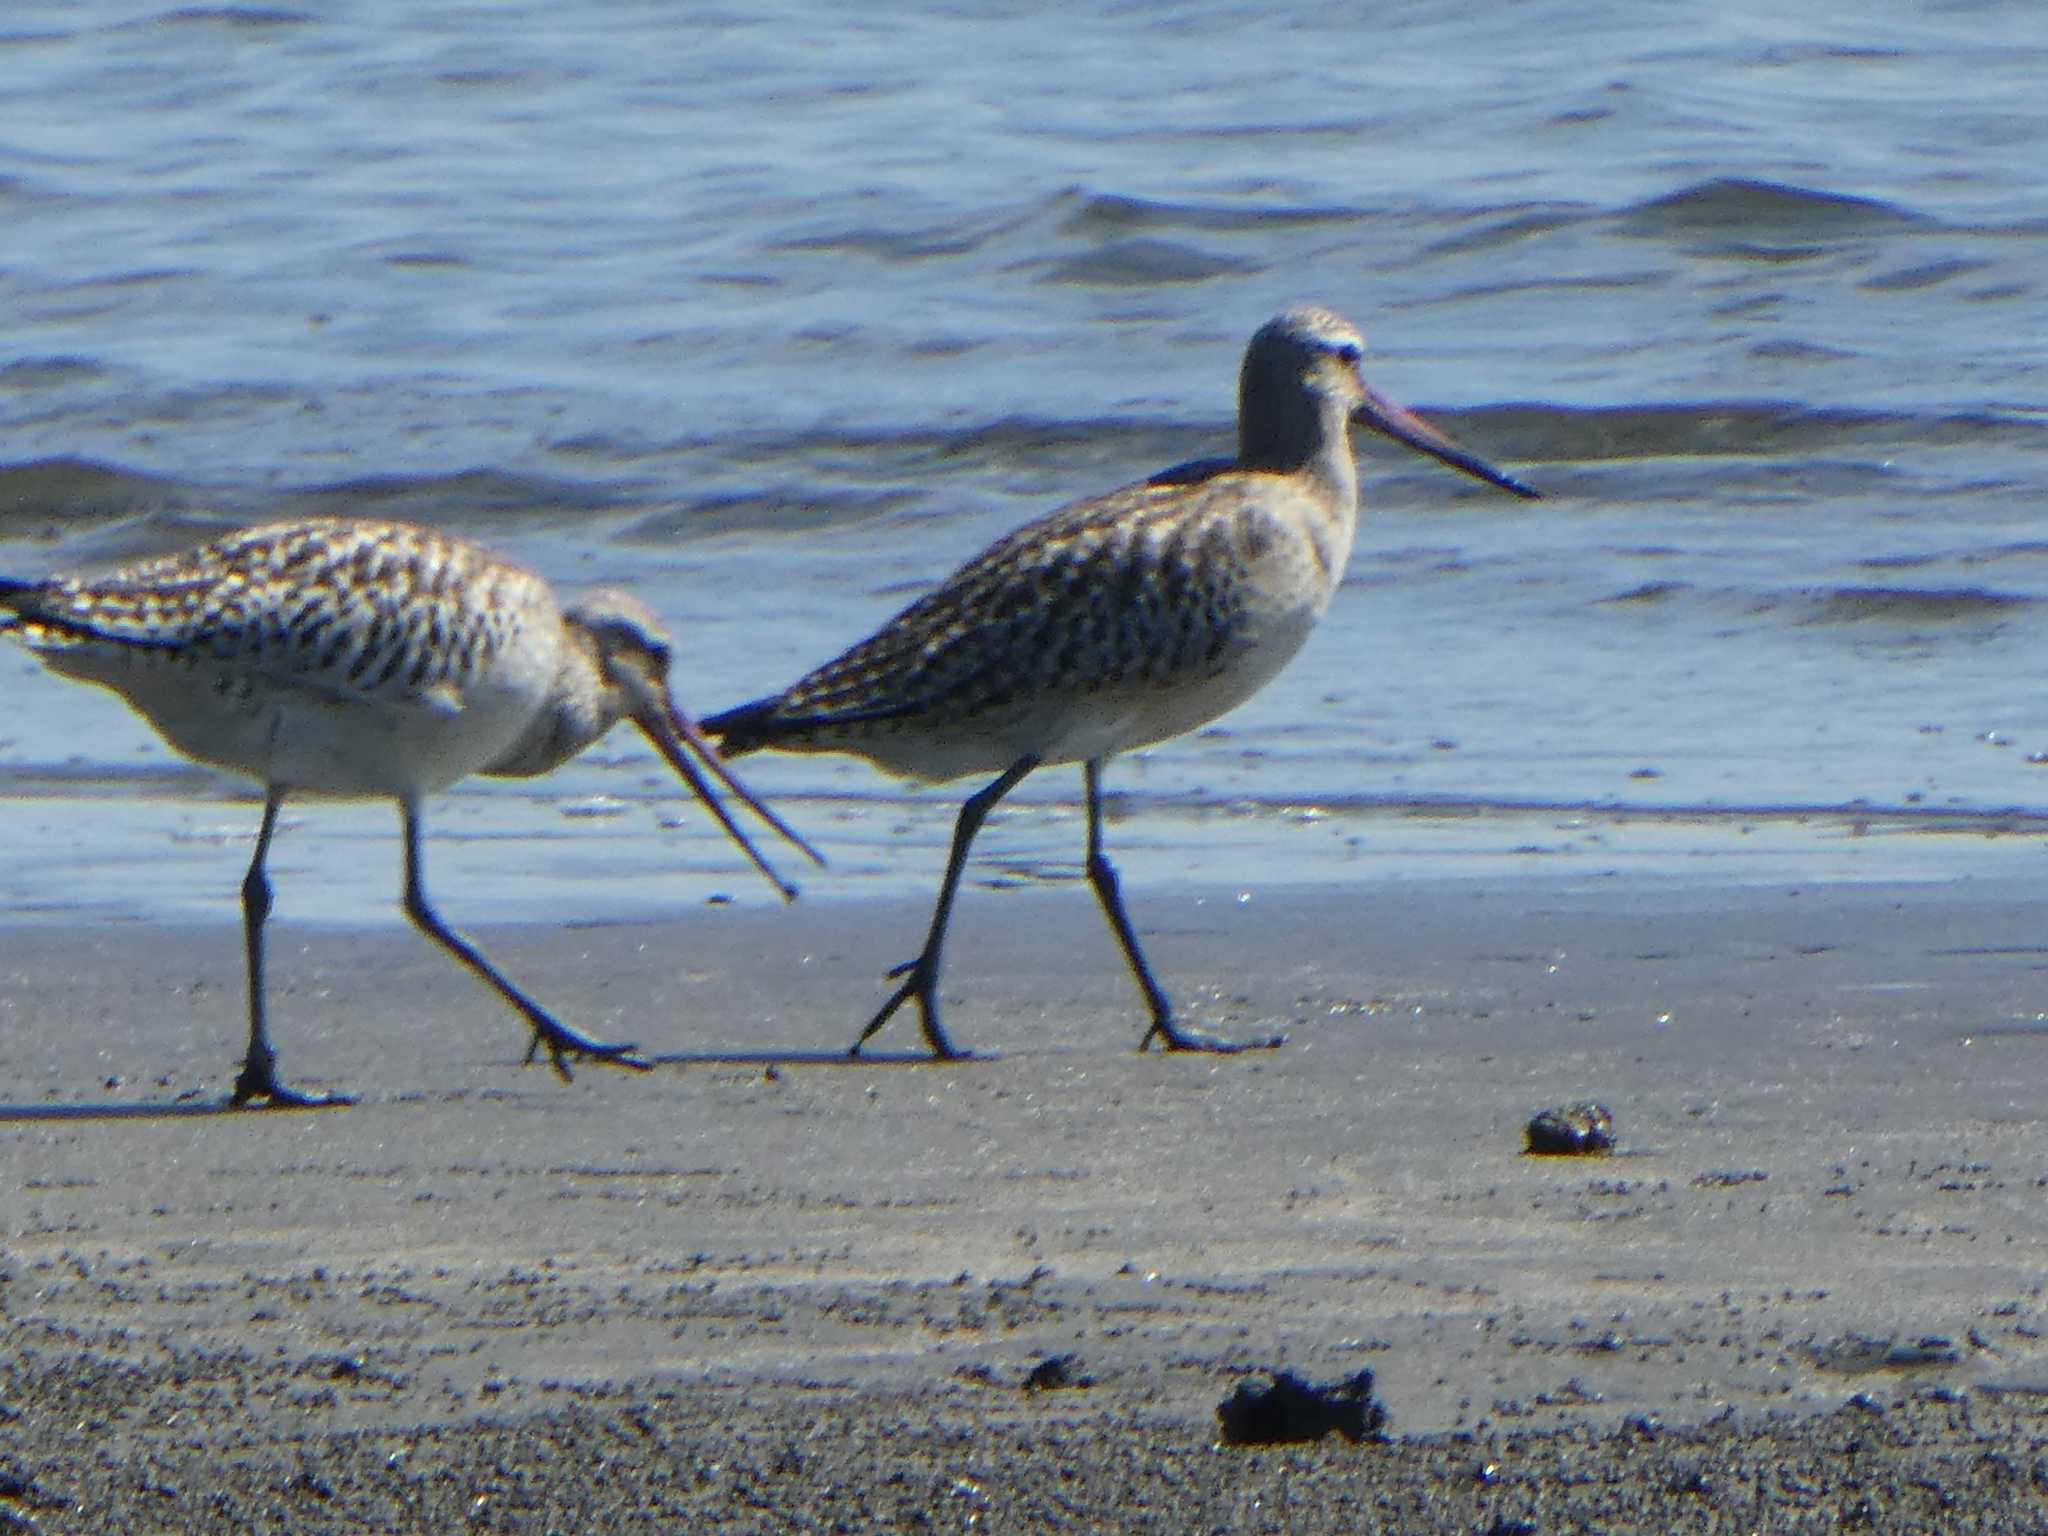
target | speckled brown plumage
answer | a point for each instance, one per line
(370, 609)
(356, 658)
(1136, 589)
(1113, 623)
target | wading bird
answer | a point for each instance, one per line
(360, 659)
(1113, 623)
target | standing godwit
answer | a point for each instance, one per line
(363, 660)
(1112, 623)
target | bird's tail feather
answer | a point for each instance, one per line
(11, 591)
(743, 729)
(765, 723)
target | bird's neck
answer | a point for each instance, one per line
(581, 707)
(1297, 433)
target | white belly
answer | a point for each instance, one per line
(309, 740)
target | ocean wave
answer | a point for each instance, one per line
(220, 16)
(33, 375)
(1512, 430)
(1731, 205)
(41, 498)
(1770, 448)
(1109, 215)
(56, 497)
(785, 508)
(1925, 274)
(447, 498)
(1498, 228)
(1142, 262)
(912, 243)
(1918, 607)
(1713, 428)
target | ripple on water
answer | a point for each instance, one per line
(1735, 204)
(463, 498)
(1108, 216)
(1142, 263)
(35, 375)
(783, 509)
(1918, 606)
(227, 16)
(41, 498)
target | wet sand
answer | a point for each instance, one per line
(762, 1288)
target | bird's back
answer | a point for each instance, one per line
(1112, 622)
(309, 650)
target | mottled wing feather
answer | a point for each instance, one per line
(1121, 589)
(364, 610)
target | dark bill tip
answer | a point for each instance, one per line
(684, 747)
(1409, 429)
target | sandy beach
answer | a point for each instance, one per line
(760, 1287)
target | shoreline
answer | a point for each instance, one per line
(1823, 1210)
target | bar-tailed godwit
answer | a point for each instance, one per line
(1113, 623)
(364, 659)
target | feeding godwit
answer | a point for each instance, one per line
(363, 660)
(1113, 623)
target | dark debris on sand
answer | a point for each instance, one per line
(1288, 1410)
(1577, 1130)
(1057, 1373)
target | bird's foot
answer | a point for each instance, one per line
(257, 1084)
(562, 1042)
(921, 981)
(1175, 1038)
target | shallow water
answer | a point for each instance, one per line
(779, 315)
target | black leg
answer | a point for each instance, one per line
(560, 1040)
(1102, 876)
(922, 974)
(258, 1077)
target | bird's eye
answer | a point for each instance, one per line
(1350, 352)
